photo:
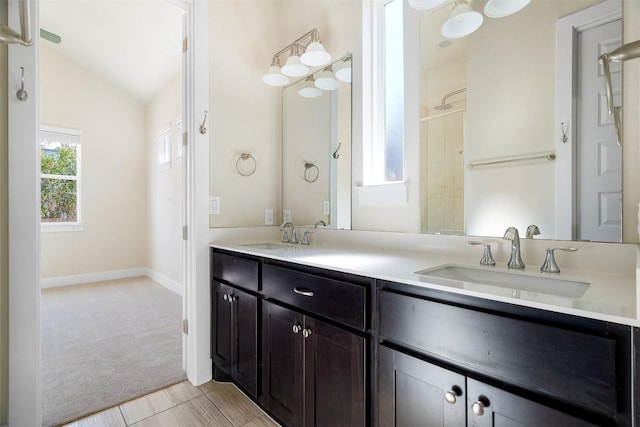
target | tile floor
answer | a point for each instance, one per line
(211, 404)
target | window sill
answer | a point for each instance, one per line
(388, 194)
(59, 227)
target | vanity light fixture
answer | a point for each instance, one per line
(309, 89)
(325, 80)
(294, 66)
(307, 51)
(462, 21)
(274, 76)
(502, 8)
(342, 70)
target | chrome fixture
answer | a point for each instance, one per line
(246, 164)
(550, 265)
(311, 172)
(305, 238)
(621, 54)
(285, 235)
(487, 258)
(203, 128)
(444, 105)
(512, 159)
(515, 262)
(532, 230)
(320, 223)
(9, 36)
(297, 65)
(22, 94)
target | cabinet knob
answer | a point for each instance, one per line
(450, 397)
(231, 299)
(225, 297)
(296, 329)
(478, 408)
(306, 333)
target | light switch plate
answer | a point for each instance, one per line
(214, 205)
(326, 207)
(286, 215)
(268, 217)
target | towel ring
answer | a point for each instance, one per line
(246, 171)
(309, 175)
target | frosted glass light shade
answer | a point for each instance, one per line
(325, 80)
(294, 67)
(425, 4)
(342, 70)
(315, 55)
(274, 77)
(502, 8)
(308, 89)
(463, 20)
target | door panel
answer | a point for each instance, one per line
(221, 325)
(244, 339)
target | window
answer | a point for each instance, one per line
(60, 178)
(393, 90)
(383, 151)
(164, 146)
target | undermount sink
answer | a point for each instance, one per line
(267, 245)
(468, 278)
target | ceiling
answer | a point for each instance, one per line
(133, 44)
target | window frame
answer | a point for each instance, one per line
(164, 143)
(76, 136)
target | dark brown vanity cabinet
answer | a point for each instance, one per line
(466, 361)
(314, 371)
(234, 319)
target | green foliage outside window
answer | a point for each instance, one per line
(59, 195)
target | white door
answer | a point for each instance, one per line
(599, 158)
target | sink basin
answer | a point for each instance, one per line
(267, 245)
(475, 278)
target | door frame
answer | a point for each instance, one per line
(24, 400)
(566, 31)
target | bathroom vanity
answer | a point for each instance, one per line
(329, 337)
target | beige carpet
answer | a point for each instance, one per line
(106, 343)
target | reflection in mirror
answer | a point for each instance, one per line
(316, 148)
(492, 125)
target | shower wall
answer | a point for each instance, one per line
(442, 144)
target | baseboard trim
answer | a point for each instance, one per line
(165, 281)
(78, 279)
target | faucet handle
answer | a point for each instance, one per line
(285, 236)
(294, 236)
(550, 265)
(305, 238)
(487, 258)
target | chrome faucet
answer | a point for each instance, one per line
(285, 236)
(532, 230)
(515, 261)
(320, 223)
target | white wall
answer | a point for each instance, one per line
(114, 182)
(245, 113)
(164, 184)
(4, 241)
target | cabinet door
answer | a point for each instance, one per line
(282, 358)
(244, 338)
(413, 392)
(221, 325)
(488, 406)
(334, 376)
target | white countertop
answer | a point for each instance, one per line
(610, 296)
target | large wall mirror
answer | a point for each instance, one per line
(499, 145)
(316, 148)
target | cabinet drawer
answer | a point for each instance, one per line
(573, 367)
(337, 300)
(241, 272)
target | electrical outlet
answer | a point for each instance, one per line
(214, 205)
(286, 215)
(326, 207)
(268, 217)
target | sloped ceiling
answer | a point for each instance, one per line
(135, 45)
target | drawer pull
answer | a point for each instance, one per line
(450, 397)
(303, 291)
(306, 333)
(296, 329)
(478, 408)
